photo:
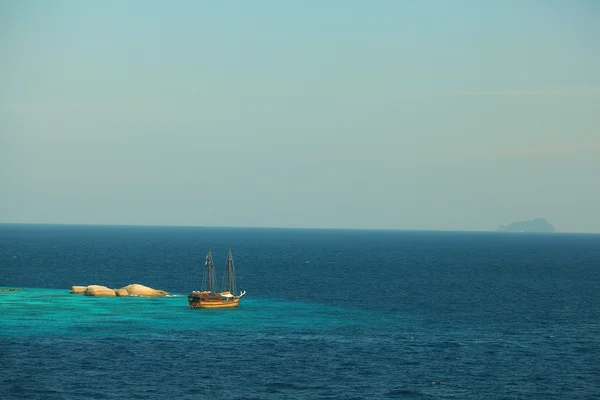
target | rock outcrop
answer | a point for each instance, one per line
(141, 290)
(121, 292)
(134, 289)
(99, 291)
(78, 289)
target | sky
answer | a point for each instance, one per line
(432, 115)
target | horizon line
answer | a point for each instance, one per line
(285, 227)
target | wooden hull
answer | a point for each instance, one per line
(213, 304)
(204, 301)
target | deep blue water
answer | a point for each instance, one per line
(329, 314)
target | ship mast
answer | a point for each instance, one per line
(230, 273)
(209, 282)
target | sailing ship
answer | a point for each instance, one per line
(209, 296)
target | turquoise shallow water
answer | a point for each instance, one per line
(34, 312)
(328, 315)
(286, 348)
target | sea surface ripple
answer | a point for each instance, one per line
(329, 314)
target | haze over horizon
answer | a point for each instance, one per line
(339, 114)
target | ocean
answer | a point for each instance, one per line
(328, 314)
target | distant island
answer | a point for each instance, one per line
(535, 225)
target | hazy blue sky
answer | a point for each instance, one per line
(350, 114)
